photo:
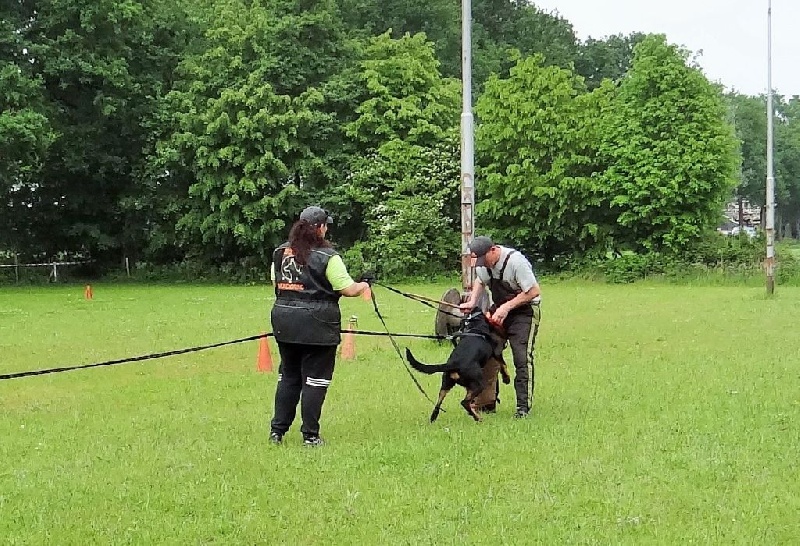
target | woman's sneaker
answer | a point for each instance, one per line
(276, 438)
(313, 441)
(522, 413)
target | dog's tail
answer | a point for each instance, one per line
(424, 368)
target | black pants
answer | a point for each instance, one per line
(521, 330)
(303, 376)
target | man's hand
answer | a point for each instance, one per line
(367, 277)
(500, 314)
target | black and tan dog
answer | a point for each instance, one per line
(475, 346)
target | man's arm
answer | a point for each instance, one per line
(526, 280)
(474, 294)
(520, 299)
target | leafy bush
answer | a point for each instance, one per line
(715, 249)
(245, 271)
(714, 254)
(409, 238)
(630, 266)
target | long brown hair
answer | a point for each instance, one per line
(303, 237)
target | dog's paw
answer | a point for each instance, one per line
(470, 409)
(435, 414)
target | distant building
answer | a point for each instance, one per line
(751, 214)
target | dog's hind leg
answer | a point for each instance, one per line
(438, 407)
(448, 382)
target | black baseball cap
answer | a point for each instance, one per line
(479, 246)
(316, 216)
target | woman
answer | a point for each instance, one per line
(310, 277)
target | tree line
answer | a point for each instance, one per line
(194, 131)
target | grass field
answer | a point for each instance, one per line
(663, 415)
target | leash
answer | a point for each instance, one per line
(132, 359)
(386, 334)
(397, 348)
(425, 300)
(152, 356)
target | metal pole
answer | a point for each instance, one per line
(770, 202)
(467, 146)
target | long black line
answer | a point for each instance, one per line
(420, 300)
(397, 348)
(131, 359)
(387, 334)
(152, 356)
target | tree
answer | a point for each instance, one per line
(503, 25)
(251, 125)
(607, 58)
(438, 20)
(409, 197)
(537, 158)
(25, 131)
(749, 117)
(787, 166)
(671, 153)
(404, 188)
(407, 99)
(497, 27)
(102, 65)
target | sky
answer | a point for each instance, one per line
(731, 34)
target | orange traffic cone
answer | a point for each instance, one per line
(87, 292)
(264, 356)
(349, 344)
(367, 294)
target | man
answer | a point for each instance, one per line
(515, 292)
(310, 277)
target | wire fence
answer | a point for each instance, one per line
(52, 266)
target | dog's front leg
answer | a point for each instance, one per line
(504, 372)
(466, 403)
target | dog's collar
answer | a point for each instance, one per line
(472, 315)
(471, 334)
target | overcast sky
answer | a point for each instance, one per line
(732, 34)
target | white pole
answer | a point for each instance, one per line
(770, 202)
(467, 146)
(127, 266)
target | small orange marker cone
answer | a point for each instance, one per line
(264, 356)
(87, 292)
(367, 294)
(349, 344)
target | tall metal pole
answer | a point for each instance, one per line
(770, 201)
(467, 146)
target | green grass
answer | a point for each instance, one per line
(663, 415)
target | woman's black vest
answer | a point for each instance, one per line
(306, 306)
